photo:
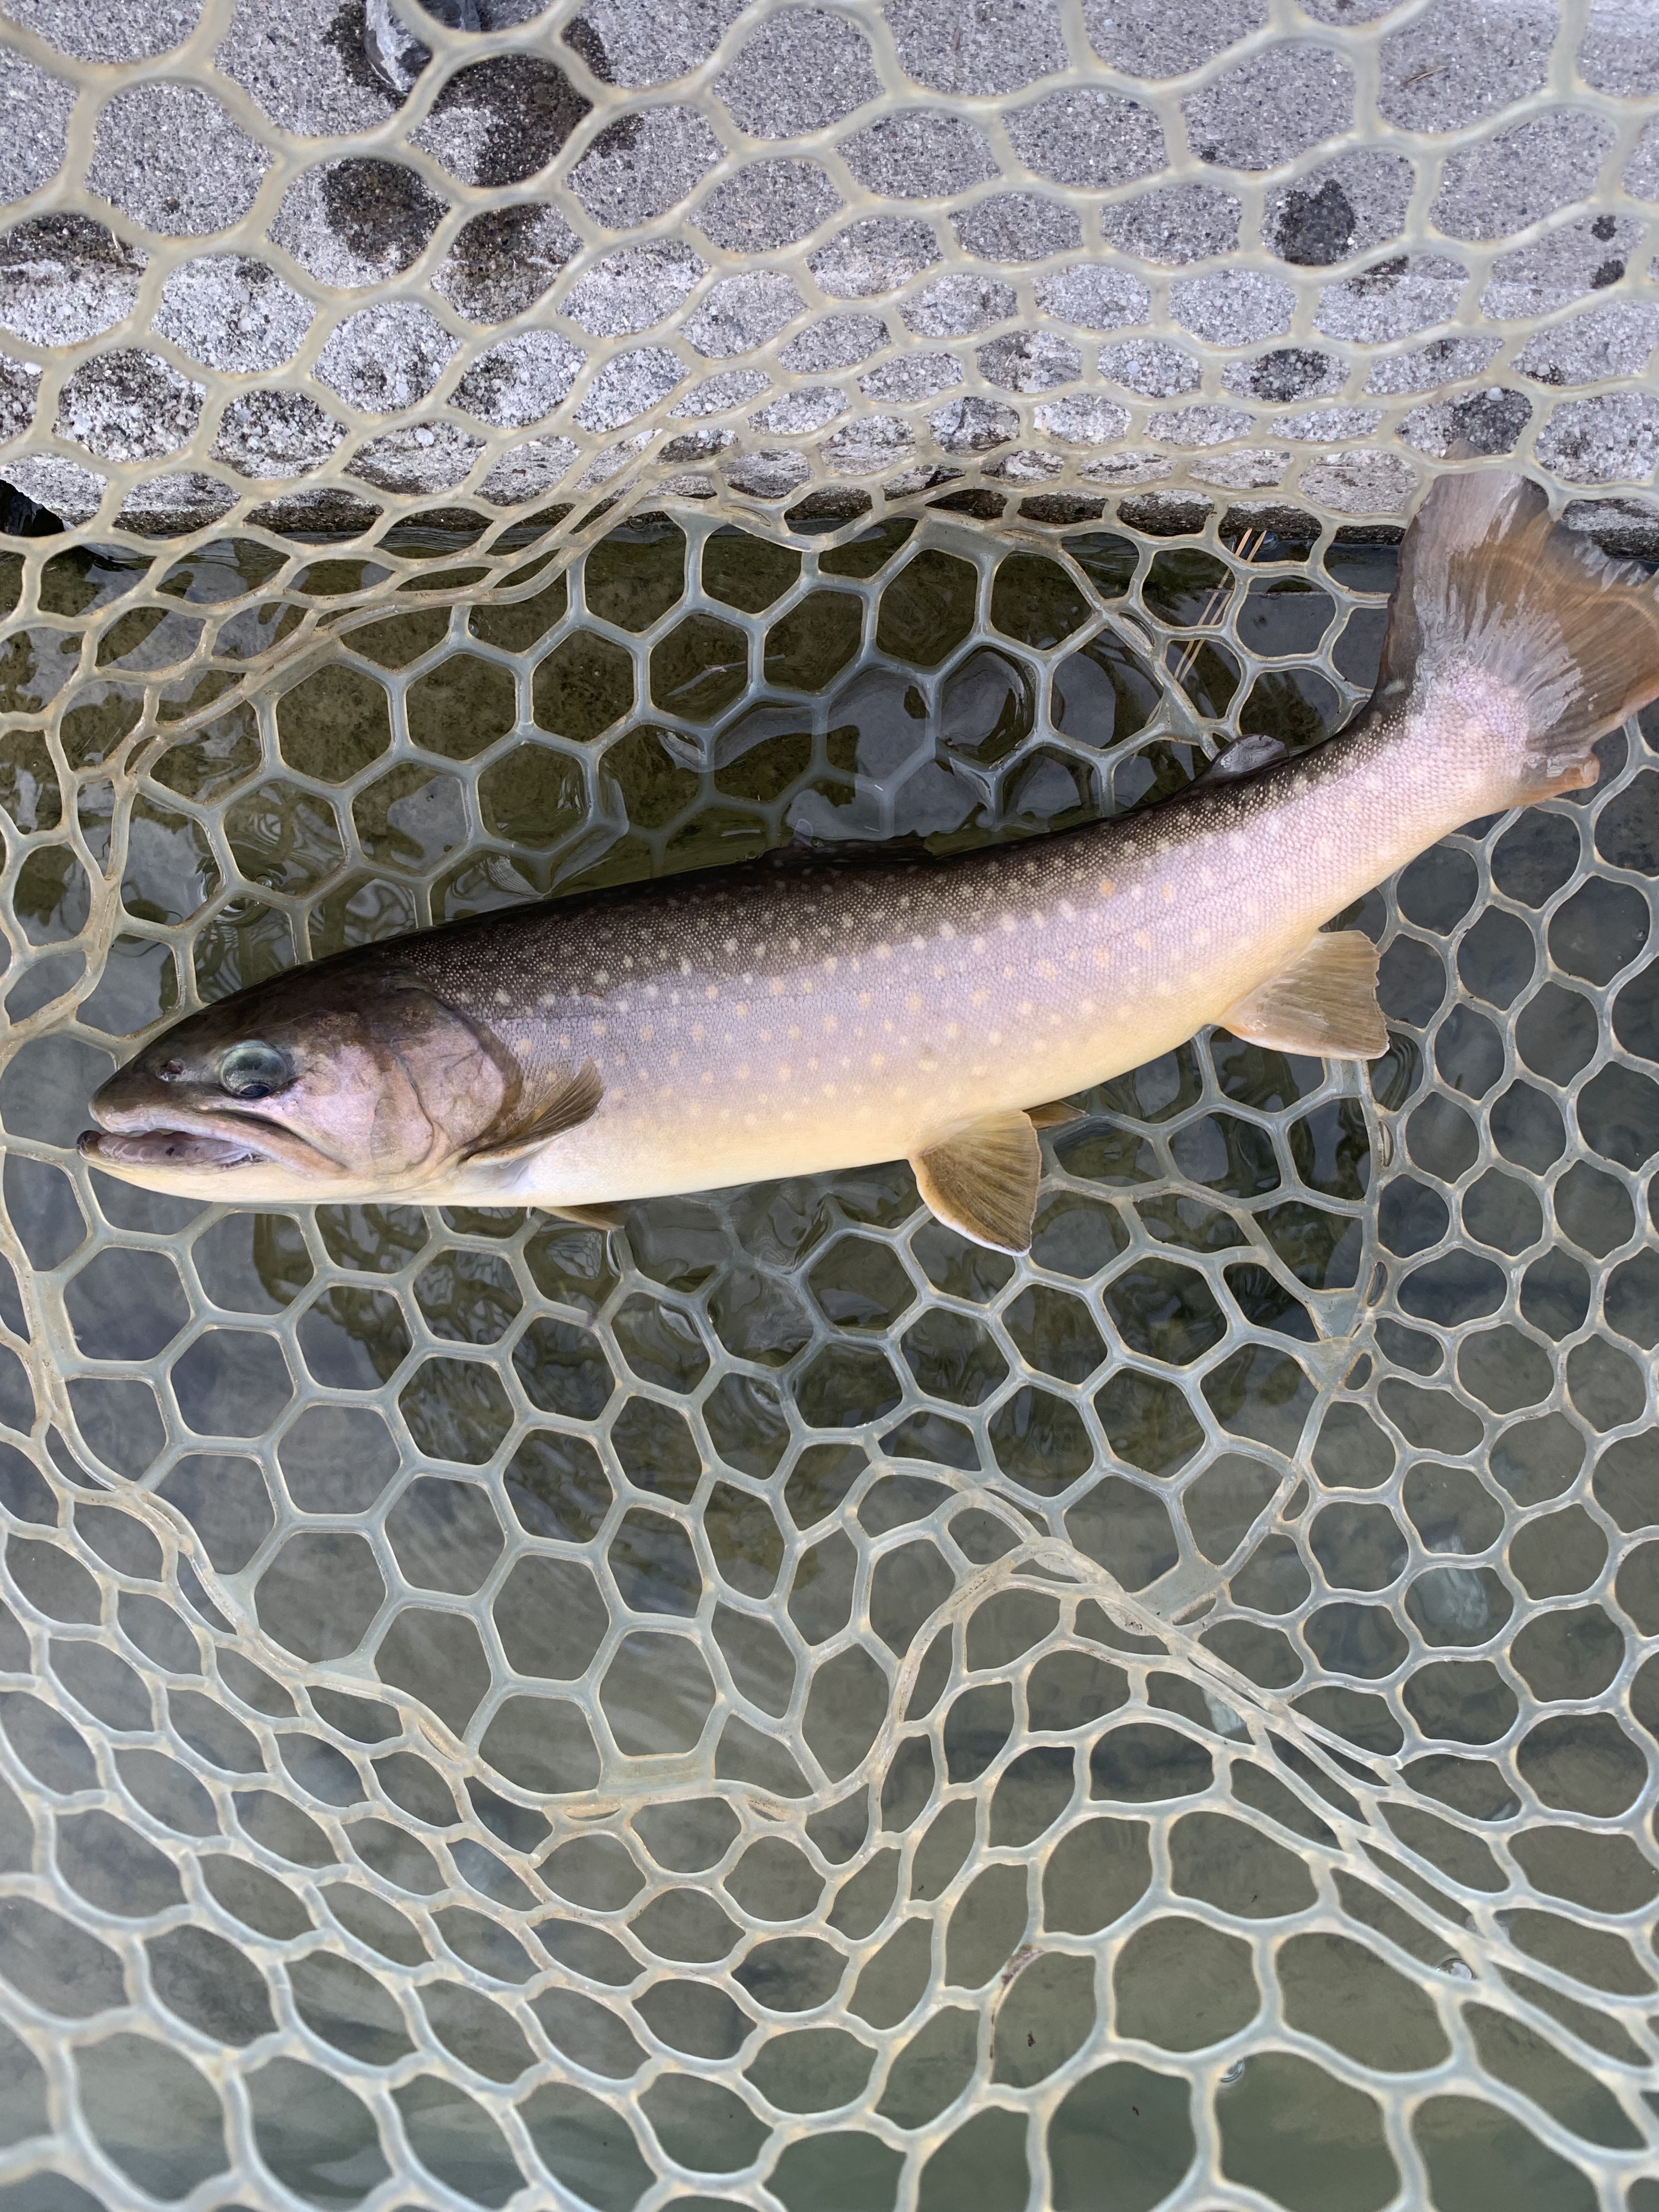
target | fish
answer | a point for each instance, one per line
(759, 1023)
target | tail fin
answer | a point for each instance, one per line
(1487, 583)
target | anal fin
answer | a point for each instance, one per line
(982, 1181)
(1054, 1114)
(1324, 1003)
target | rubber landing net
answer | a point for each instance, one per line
(778, 1707)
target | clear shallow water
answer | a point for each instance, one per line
(504, 1701)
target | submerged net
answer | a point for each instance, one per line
(777, 1707)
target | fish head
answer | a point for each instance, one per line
(329, 1082)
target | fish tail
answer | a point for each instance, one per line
(1524, 622)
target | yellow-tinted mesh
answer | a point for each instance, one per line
(778, 1707)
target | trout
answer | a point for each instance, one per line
(760, 1021)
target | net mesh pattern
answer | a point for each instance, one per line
(774, 1705)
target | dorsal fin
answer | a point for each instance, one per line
(983, 1180)
(1324, 1003)
(557, 1102)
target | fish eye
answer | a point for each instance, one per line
(255, 1071)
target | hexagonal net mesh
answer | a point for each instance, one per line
(774, 1705)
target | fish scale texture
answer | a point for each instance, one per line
(777, 1706)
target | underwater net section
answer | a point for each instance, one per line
(774, 1705)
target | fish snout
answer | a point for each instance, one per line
(130, 1099)
(146, 1134)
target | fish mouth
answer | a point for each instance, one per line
(167, 1148)
(142, 1142)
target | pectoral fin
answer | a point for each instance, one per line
(557, 1104)
(982, 1182)
(1325, 1002)
(606, 1217)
